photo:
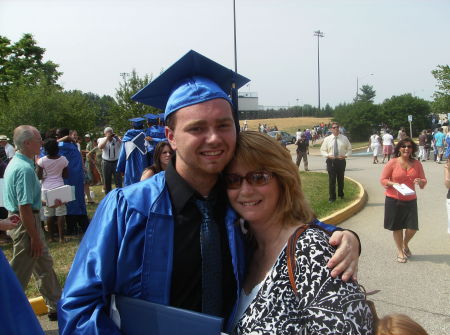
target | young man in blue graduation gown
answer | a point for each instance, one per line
(154, 133)
(144, 240)
(76, 210)
(132, 158)
(16, 315)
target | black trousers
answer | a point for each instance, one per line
(109, 171)
(336, 170)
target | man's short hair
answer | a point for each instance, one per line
(23, 133)
(107, 129)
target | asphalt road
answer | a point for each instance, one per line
(419, 288)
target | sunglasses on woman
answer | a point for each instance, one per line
(406, 146)
(254, 178)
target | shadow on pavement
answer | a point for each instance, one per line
(375, 204)
(438, 259)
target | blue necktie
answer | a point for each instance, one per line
(211, 260)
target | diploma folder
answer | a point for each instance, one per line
(404, 189)
(64, 193)
(140, 317)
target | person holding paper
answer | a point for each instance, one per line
(400, 211)
(51, 169)
(264, 187)
(172, 239)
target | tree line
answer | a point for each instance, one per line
(30, 94)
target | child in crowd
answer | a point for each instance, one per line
(51, 169)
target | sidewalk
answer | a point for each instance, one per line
(421, 287)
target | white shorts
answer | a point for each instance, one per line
(58, 211)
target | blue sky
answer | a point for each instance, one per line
(399, 41)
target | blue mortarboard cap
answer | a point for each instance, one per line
(137, 121)
(193, 79)
(151, 116)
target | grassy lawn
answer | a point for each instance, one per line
(315, 186)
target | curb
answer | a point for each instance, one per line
(39, 306)
(343, 214)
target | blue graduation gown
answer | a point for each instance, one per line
(76, 177)
(157, 133)
(16, 315)
(128, 250)
(132, 167)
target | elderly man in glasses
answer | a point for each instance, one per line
(336, 148)
(171, 239)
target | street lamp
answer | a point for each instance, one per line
(319, 34)
(357, 83)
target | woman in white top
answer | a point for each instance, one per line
(263, 186)
(52, 169)
(388, 146)
(375, 145)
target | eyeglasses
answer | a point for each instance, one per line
(254, 178)
(406, 146)
(334, 127)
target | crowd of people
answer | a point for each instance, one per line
(432, 144)
(203, 218)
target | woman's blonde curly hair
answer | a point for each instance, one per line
(261, 152)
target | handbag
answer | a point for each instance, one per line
(292, 268)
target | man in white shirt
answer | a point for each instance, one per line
(336, 148)
(110, 146)
(9, 149)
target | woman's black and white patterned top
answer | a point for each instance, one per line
(325, 305)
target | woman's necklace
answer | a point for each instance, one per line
(405, 164)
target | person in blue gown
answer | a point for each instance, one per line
(16, 315)
(132, 158)
(76, 210)
(154, 133)
(144, 240)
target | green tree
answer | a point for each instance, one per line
(441, 103)
(21, 63)
(367, 94)
(395, 111)
(127, 108)
(105, 105)
(46, 106)
(359, 118)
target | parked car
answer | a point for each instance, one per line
(286, 138)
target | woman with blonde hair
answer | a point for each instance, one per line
(399, 324)
(264, 187)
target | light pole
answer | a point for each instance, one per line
(234, 90)
(319, 34)
(357, 83)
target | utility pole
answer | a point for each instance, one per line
(319, 34)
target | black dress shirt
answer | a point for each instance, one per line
(186, 289)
